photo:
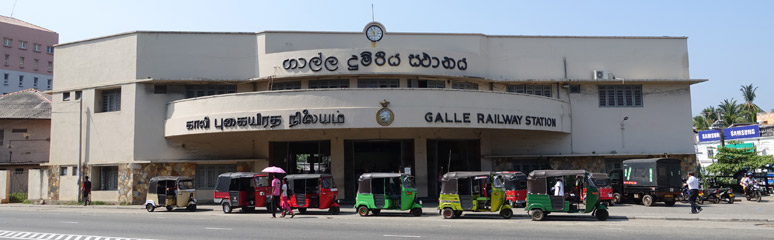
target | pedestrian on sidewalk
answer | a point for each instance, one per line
(86, 190)
(285, 200)
(275, 195)
(693, 187)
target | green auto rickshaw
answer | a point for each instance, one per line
(390, 191)
(472, 191)
(546, 195)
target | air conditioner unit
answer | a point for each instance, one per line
(598, 75)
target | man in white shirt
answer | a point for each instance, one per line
(559, 187)
(693, 187)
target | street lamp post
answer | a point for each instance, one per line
(718, 124)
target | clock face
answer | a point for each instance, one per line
(374, 33)
(385, 116)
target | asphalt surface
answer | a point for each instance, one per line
(210, 223)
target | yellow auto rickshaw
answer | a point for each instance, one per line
(170, 192)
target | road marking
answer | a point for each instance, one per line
(402, 236)
(70, 222)
(212, 228)
(47, 236)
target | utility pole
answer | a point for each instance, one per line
(80, 142)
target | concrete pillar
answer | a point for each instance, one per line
(34, 184)
(337, 164)
(486, 150)
(420, 164)
(44, 184)
(5, 186)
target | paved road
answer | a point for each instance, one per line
(210, 223)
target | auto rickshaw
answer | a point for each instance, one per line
(541, 201)
(313, 191)
(515, 188)
(472, 191)
(602, 181)
(244, 190)
(170, 192)
(391, 191)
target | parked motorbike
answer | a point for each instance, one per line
(754, 193)
(715, 195)
(685, 196)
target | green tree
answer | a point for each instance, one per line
(749, 108)
(730, 159)
(704, 120)
(732, 112)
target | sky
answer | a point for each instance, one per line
(729, 42)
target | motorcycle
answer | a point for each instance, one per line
(754, 193)
(685, 196)
(715, 195)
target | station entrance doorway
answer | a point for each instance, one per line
(301, 157)
(449, 156)
(362, 156)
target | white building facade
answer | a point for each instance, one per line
(198, 104)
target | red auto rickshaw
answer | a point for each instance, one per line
(515, 187)
(244, 190)
(313, 191)
(602, 180)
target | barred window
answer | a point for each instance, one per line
(207, 175)
(108, 178)
(620, 95)
(286, 85)
(192, 91)
(540, 90)
(378, 83)
(465, 85)
(111, 100)
(416, 83)
(332, 83)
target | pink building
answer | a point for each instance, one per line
(26, 56)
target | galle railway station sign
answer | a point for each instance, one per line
(354, 62)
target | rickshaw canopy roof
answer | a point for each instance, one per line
(600, 176)
(513, 175)
(169, 178)
(457, 175)
(307, 176)
(240, 174)
(651, 160)
(554, 173)
(365, 176)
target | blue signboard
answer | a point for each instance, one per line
(709, 136)
(742, 132)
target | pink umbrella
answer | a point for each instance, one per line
(273, 169)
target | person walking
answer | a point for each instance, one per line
(86, 190)
(693, 187)
(285, 200)
(275, 195)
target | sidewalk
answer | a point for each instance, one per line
(744, 211)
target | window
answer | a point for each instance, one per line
(35, 82)
(7, 57)
(50, 66)
(21, 81)
(620, 95)
(207, 175)
(21, 62)
(5, 78)
(416, 83)
(378, 83)
(7, 42)
(66, 96)
(22, 45)
(108, 178)
(75, 171)
(613, 164)
(49, 84)
(36, 47)
(159, 89)
(286, 85)
(78, 95)
(540, 90)
(35, 64)
(333, 83)
(111, 100)
(19, 130)
(2, 137)
(710, 153)
(62, 171)
(464, 85)
(192, 91)
(49, 49)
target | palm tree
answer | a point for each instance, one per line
(750, 109)
(732, 112)
(705, 120)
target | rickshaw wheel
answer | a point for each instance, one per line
(617, 198)
(169, 208)
(191, 208)
(506, 213)
(448, 213)
(149, 207)
(416, 212)
(362, 210)
(602, 214)
(226, 208)
(647, 200)
(302, 210)
(537, 215)
(334, 210)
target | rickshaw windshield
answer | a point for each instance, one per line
(186, 184)
(261, 181)
(602, 182)
(497, 182)
(515, 184)
(328, 183)
(590, 182)
(408, 182)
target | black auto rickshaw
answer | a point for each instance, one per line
(313, 191)
(170, 192)
(647, 181)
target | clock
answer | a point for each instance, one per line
(385, 116)
(374, 31)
